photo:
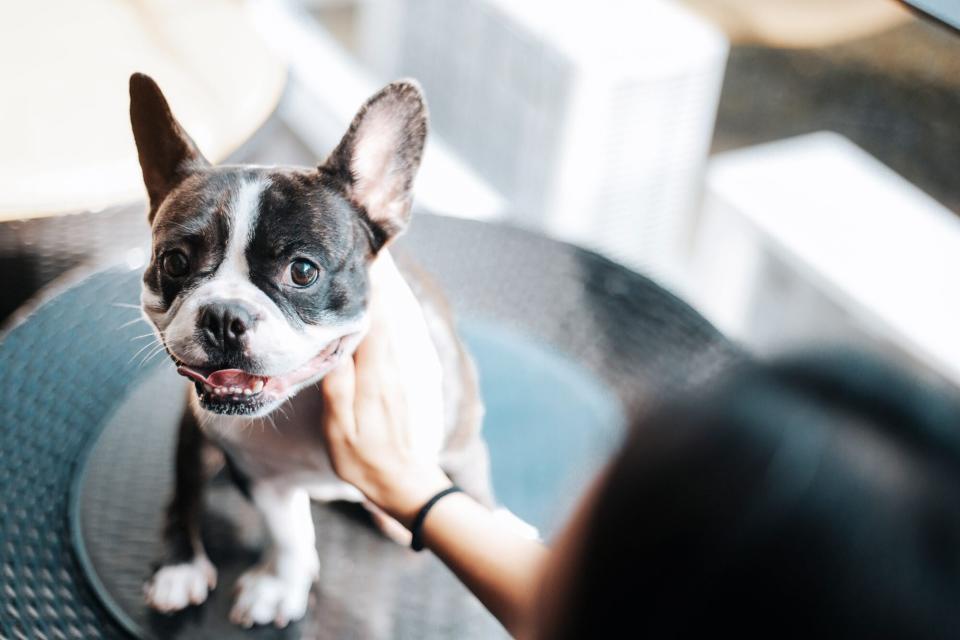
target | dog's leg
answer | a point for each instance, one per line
(186, 575)
(277, 589)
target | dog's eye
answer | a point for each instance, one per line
(303, 273)
(175, 263)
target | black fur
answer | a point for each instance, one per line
(194, 219)
(182, 527)
(167, 154)
(301, 216)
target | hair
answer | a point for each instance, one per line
(814, 496)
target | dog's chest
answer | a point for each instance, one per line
(288, 440)
(286, 446)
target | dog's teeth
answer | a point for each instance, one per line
(258, 386)
(219, 391)
(248, 392)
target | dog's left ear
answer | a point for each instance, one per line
(378, 157)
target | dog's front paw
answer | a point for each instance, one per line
(177, 586)
(263, 597)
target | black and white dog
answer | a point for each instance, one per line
(257, 286)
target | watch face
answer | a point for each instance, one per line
(945, 11)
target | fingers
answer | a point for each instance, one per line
(339, 384)
(376, 373)
(375, 347)
(339, 391)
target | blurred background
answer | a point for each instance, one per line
(789, 167)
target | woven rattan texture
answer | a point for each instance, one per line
(634, 335)
(60, 375)
(64, 371)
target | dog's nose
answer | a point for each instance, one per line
(225, 324)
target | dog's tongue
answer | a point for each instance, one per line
(221, 378)
(231, 378)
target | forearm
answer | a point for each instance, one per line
(499, 565)
(488, 553)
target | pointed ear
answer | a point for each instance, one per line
(167, 154)
(377, 159)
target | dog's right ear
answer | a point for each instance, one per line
(167, 154)
(379, 155)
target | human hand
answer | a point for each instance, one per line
(367, 428)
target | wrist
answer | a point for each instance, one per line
(404, 494)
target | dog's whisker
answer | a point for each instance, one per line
(143, 362)
(153, 332)
(181, 226)
(273, 422)
(125, 305)
(141, 350)
(149, 358)
(130, 322)
(159, 348)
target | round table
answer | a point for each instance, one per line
(83, 450)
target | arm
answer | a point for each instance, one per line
(498, 565)
(368, 442)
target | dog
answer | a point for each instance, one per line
(258, 285)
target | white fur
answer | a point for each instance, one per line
(415, 354)
(177, 586)
(244, 212)
(276, 591)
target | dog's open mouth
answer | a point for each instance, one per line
(234, 385)
(238, 392)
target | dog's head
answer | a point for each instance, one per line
(257, 282)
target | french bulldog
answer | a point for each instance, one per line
(259, 284)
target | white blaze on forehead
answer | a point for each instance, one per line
(244, 210)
